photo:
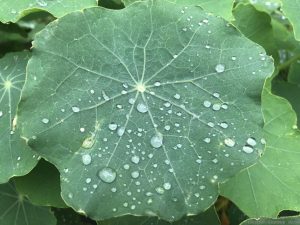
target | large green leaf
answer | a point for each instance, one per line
(291, 220)
(221, 8)
(15, 209)
(16, 158)
(209, 217)
(13, 10)
(291, 10)
(41, 186)
(277, 170)
(144, 117)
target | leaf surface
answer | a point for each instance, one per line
(147, 120)
(17, 210)
(13, 10)
(16, 158)
(209, 217)
(291, 220)
(277, 170)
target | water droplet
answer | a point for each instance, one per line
(251, 141)
(207, 140)
(159, 190)
(121, 131)
(41, 3)
(135, 174)
(177, 96)
(207, 104)
(135, 159)
(220, 68)
(107, 175)
(1, 113)
(131, 101)
(86, 159)
(88, 180)
(224, 125)
(142, 108)
(167, 127)
(75, 109)
(112, 126)
(216, 107)
(88, 142)
(233, 58)
(167, 186)
(247, 149)
(157, 84)
(126, 167)
(229, 142)
(45, 120)
(157, 140)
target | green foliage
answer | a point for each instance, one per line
(116, 112)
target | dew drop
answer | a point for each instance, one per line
(248, 149)
(135, 159)
(159, 190)
(112, 126)
(45, 120)
(157, 140)
(88, 142)
(135, 174)
(177, 96)
(229, 142)
(86, 159)
(251, 141)
(157, 84)
(206, 140)
(121, 131)
(75, 109)
(131, 101)
(1, 113)
(107, 175)
(220, 68)
(167, 186)
(207, 104)
(224, 125)
(216, 107)
(142, 108)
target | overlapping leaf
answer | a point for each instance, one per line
(292, 220)
(291, 10)
(13, 10)
(17, 210)
(221, 8)
(145, 117)
(16, 158)
(277, 170)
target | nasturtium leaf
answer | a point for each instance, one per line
(278, 168)
(221, 8)
(256, 26)
(17, 210)
(13, 10)
(16, 158)
(265, 6)
(41, 186)
(68, 216)
(150, 119)
(209, 217)
(291, 10)
(294, 72)
(291, 220)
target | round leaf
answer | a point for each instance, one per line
(144, 117)
(16, 158)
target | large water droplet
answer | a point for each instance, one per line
(135, 159)
(220, 68)
(107, 175)
(86, 159)
(156, 141)
(121, 131)
(251, 141)
(142, 108)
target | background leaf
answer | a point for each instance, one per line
(125, 128)
(291, 10)
(13, 10)
(273, 171)
(295, 220)
(16, 158)
(17, 210)
(41, 185)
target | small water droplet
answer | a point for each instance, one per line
(220, 68)
(167, 186)
(45, 120)
(86, 159)
(41, 3)
(107, 175)
(121, 131)
(75, 109)
(233, 58)
(135, 159)
(247, 149)
(131, 101)
(207, 140)
(157, 140)
(157, 84)
(1, 113)
(142, 108)
(159, 190)
(207, 104)
(229, 142)
(224, 125)
(135, 174)
(177, 96)
(251, 141)
(88, 142)
(112, 126)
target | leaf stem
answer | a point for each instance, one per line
(287, 63)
